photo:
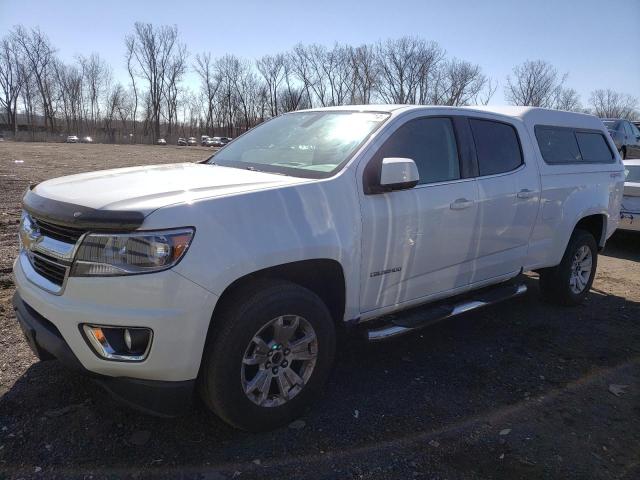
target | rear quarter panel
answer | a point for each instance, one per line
(570, 192)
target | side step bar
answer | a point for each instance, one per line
(422, 317)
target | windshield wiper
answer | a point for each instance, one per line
(254, 169)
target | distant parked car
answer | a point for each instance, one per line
(225, 140)
(625, 135)
(182, 142)
(161, 141)
(630, 208)
(87, 140)
(1, 137)
(215, 142)
(203, 140)
(72, 139)
(192, 141)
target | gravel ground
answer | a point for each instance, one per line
(519, 390)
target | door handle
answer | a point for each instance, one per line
(460, 204)
(525, 193)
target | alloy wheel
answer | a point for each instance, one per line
(581, 267)
(279, 361)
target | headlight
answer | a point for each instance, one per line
(104, 254)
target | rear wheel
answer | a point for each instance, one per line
(570, 281)
(270, 357)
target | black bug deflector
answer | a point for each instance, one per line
(78, 216)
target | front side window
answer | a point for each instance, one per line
(313, 144)
(497, 146)
(431, 143)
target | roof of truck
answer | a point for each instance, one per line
(529, 115)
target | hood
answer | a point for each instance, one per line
(150, 187)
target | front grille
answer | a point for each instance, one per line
(49, 268)
(59, 232)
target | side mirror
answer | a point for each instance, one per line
(398, 174)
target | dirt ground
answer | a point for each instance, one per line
(518, 390)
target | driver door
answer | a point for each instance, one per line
(419, 242)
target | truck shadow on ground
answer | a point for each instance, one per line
(623, 245)
(461, 368)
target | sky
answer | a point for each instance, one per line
(597, 42)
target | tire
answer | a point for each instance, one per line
(225, 376)
(558, 284)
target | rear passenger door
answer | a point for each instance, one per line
(508, 197)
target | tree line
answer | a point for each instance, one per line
(40, 91)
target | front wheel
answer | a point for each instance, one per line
(269, 357)
(570, 281)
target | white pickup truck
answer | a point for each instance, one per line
(231, 276)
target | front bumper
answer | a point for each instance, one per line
(629, 221)
(176, 309)
(151, 396)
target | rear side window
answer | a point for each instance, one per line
(431, 143)
(560, 145)
(497, 146)
(593, 147)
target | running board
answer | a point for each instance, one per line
(422, 317)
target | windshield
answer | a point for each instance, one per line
(632, 173)
(610, 124)
(303, 144)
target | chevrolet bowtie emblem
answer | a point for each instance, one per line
(29, 234)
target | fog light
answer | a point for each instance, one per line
(127, 339)
(130, 344)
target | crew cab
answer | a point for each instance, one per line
(230, 277)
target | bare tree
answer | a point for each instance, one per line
(407, 66)
(176, 68)
(130, 46)
(272, 69)
(115, 100)
(610, 104)
(38, 55)
(459, 83)
(154, 49)
(292, 96)
(535, 83)
(364, 73)
(209, 85)
(12, 78)
(569, 100)
(96, 76)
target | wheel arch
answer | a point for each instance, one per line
(325, 277)
(594, 223)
